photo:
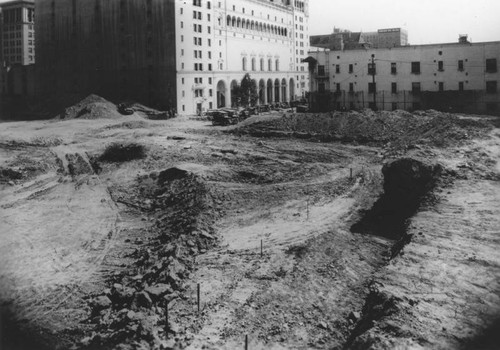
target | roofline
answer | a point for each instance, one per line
(416, 46)
(17, 2)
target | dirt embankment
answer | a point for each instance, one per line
(397, 129)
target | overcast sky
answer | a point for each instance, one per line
(427, 21)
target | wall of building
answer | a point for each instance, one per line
(118, 49)
(440, 83)
(234, 31)
(17, 32)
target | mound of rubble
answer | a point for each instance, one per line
(91, 107)
(132, 313)
(399, 129)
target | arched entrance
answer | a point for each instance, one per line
(234, 93)
(276, 90)
(284, 95)
(269, 91)
(262, 92)
(291, 89)
(221, 94)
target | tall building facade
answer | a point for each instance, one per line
(183, 54)
(460, 77)
(221, 41)
(18, 32)
(17, 45)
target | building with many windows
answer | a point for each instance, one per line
(183, 54)
(346, 40)
(17, 44)
(460, 77)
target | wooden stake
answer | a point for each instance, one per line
(199, 301)
(167, 326)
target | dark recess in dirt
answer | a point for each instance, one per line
(118, 152)
(406, 182)
(171, 174)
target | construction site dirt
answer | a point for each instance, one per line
(354, 230)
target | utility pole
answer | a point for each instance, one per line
(373, 82)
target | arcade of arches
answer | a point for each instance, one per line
(269, 91)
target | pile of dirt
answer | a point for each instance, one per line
(406, 182)
(92, 107)
(132, 313)
(399, 129)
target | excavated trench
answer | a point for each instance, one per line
(407, 184)
(407, 181)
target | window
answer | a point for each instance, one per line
(351, 68)
(321, 87)
(244, 63)
(261, 64)
(337, 68)
(394, 69)
(461, 86)
(415, 67)
(394, 106)
(321, 71)
(208, 5)
(253, 64)
(351, 87)
(372, 87)
(441, 86)
(394, 88)
(491, 65)
(440, 66)
(210, 66)
(415, 88)
(491, 87)
(338, 87)
(460, 65)
(371, 69)
(277, 64)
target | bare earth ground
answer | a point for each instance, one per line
(66, 235)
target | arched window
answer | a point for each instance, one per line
(238, 22)
(244, 63)
(277, 65)
(228, 20)
(233, 22)
(253, 64)
(270, 65)
(262, 64)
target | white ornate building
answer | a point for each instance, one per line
(219, 41)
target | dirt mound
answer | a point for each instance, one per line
(406, 182)
(92, 107)
(134, 309)
(399, 129)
